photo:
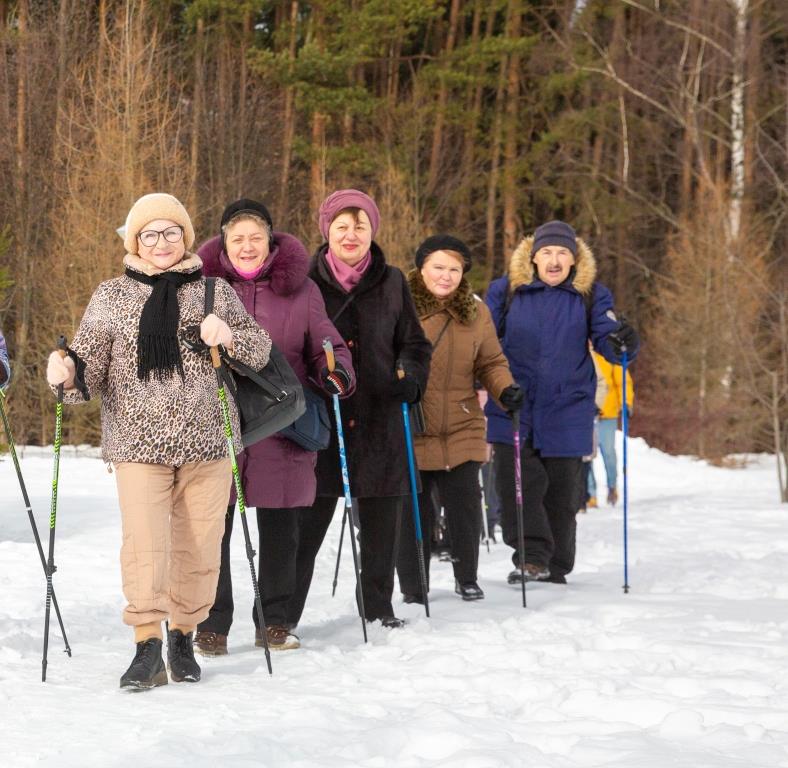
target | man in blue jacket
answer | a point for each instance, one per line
(5, 366)
(546, 310)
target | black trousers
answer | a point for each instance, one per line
(551, 487)
(379, 521)
(278, 546)
(460, 495)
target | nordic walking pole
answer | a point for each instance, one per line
(625, 431)
(216, 361)
(485, 524)
(518, 495)
(12, 451)
(414, 496)
(339, 553)
(50, 567)
(328, 348)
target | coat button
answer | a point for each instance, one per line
(351, 423)
(350, 344)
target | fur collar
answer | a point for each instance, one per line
(522, 271)
(461, 304)
(289, 263)
(189, 263)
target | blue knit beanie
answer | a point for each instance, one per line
(555, 233)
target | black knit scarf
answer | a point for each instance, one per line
(157, 346)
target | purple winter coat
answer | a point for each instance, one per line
(276, 472)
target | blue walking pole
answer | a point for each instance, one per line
(625, 430)
(328, 348)
(414, 496)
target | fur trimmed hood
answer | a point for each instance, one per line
(462, 305)
(522, 272)
(289, 263)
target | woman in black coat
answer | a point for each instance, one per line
(370, 304)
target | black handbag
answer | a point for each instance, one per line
(305, 420)
(268, 400)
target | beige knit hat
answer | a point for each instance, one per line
(157, 205)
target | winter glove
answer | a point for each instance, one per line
(625, 336)
(406, 389)
(214, 331)
(60, 370)
(336, 382)
(512, 397)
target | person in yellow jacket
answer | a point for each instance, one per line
(608, 418)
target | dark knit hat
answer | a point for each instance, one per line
(245, 205)
(443, 243)
(555, 233)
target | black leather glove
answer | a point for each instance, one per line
(406, 389)
(625, 337)
(336, 382)
(512, 397)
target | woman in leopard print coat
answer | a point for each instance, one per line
(162, 427)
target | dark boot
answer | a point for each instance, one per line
(180, 657)
(210, 643)
(470, 590)
(147, 670)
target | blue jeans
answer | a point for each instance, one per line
(607, 446)
(591, 484)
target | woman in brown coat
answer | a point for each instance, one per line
(452, 447)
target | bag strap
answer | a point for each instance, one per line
(210, 292)
(440, 335)
(348, 300)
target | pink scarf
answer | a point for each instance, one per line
(348, 277)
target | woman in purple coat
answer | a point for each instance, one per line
(268, 271)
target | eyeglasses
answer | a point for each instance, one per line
(150, 237)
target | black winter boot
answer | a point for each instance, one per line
(180, 657)
(147, 670)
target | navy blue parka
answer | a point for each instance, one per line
(544, 334)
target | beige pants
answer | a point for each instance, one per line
(173, 522)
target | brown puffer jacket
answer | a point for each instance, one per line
(465, 352)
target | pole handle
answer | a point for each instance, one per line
(62, 346)
(216, 360)
(328, 348)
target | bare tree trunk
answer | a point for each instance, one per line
(440, 113)
(512, 130)
(197, 113)
(242, 106)
(474, 102)
(23, 285)
(492, 178)
(288, 129)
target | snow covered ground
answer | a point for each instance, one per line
(689, 669)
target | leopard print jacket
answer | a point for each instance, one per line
(175, 421)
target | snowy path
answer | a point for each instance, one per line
(689, 669)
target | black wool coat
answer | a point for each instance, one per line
(380, 326)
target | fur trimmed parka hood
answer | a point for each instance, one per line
(522, 271)
(462, 305)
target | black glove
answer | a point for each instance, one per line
(406, 389)
(625, 336)
(336, 382)
(512, 397)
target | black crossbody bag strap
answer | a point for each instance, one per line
(237, 365)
